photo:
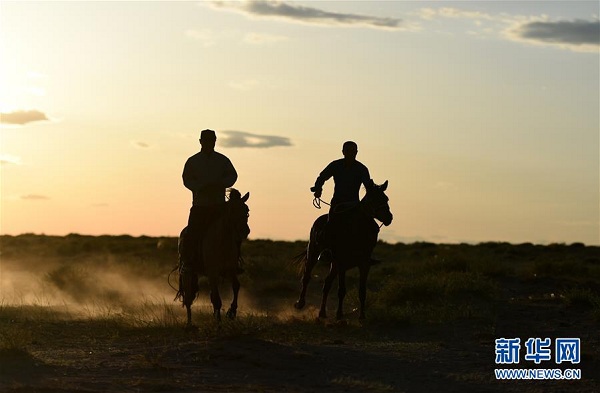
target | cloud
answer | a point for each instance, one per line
(140, 145)
(577, 35)
(455, 13)
(246, 139)
(261, 38)
(22, 117)
(302, 14)
(8, 159)
(34, 197)
(581, 35)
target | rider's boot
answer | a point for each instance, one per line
(324, 242)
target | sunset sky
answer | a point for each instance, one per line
(483, 116)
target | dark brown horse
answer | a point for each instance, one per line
(352, 244)
(220, 251)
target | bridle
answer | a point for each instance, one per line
(369, 210)
(373, 210)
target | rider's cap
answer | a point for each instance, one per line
(208, 135)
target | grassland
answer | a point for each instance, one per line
(95, 314)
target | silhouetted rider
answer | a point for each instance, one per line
(348, 175)
(207, 174)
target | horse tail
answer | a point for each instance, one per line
(300, 261)
(178, 268)
(179, 294)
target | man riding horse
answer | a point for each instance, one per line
(348, 175)
(207, 174)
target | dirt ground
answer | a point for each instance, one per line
(97, 356)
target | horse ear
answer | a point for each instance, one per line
(245, 197)
(384, 186)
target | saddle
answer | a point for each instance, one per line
(190, 246)
(343, 219)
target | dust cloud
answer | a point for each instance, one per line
(82, 286)
(100, 286)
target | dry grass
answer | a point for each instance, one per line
(362, 384)
(124, 277)
(65, 300)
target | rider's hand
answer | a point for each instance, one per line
(317, 193)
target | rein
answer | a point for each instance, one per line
(317, 204)
(371, 212)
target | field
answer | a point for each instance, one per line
(96, 314)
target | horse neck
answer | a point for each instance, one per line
(358, 214)
(229, 225)
(222, 232)
(364, 209)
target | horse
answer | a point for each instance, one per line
(352, 245)
(220, 249)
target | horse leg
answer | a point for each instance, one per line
(215, 298)
(189, 285)
(362, 289)
(235, 284)
(309, 264)
(310, 258)
(333, 271)
(341, 294)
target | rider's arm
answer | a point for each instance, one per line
(229, 174)
(190, 181)
(365, 177)
(325, 175)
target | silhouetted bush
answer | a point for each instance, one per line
(415, 282)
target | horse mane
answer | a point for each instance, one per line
(235, 198)
(234, 194)
(370, 184)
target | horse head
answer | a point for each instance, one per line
(376, 202)
(238, 213)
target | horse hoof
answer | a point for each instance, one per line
(299, 305)
(231, 314)
(322, 314)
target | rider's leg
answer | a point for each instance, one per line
(191, 240)
(325, 239)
